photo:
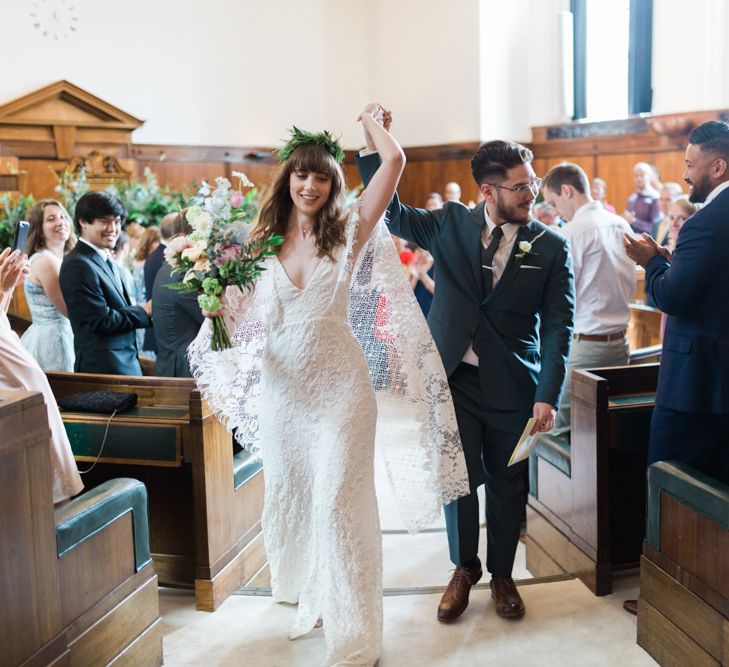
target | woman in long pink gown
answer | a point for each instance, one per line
(19, 371)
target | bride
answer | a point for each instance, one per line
(332, 317)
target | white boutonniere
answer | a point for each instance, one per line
(525, 248)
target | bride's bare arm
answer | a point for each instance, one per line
(383, 184)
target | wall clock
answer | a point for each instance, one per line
(54, 19)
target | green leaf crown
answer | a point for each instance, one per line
(301, 137)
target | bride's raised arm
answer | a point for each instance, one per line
(383, 184)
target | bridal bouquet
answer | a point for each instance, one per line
(217, 253)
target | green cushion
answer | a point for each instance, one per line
(555, 450)
(84, 516)
(245, 466)
(703, 494)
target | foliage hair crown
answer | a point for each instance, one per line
(301, 137)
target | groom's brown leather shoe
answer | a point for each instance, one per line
(508, 601)
(455, 599)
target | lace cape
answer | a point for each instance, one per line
(417, 433)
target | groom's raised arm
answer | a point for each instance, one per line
(412, 224)
(558, 310)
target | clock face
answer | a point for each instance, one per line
(54, 19)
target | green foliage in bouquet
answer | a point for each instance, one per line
(12, 209)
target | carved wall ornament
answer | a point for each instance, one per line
(101, 170)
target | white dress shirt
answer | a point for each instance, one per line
(604, 274)
(713, 194)
(501, 259)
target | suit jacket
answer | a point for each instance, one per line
(525, 323)
(103, 321)
(692, 291)
(151, 266)
(177, 320)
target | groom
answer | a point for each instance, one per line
(502, 320)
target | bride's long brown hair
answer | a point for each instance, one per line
(275, 211)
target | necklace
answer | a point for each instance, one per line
(306, 233)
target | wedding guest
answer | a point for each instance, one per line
(152, 265)
(452, 192)
(598, 188)
(123, 260)
(317, 414)
(424, 287)
(49, 339)
(19, 371)
(642, 211)
(669, 193)
(148, 243)
(690, 420)
(604, 278)
(433, 201)
(680, 210)
(135, 232)
(177, 315)
(102, 316)
(547, 215)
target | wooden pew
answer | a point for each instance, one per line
(644, 328)
(205, 503)
(78, 586)
(683, 608)
(585, 509)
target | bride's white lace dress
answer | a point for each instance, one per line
(298, 386)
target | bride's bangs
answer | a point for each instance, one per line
(313, 158)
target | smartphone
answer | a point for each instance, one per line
(20, 240)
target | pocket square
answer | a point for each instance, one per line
(527, 266)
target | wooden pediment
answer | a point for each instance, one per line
(62, 103)
(51, 121)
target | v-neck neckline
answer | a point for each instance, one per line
(292, 283)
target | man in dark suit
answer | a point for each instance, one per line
(102, 318)
(177, 315)
(690, 422)
(501, 318)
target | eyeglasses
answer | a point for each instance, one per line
(521, 189)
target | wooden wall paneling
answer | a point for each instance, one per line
(587, 162)
(617, 172)
(671, 166)
(42, 179)
(181, 175)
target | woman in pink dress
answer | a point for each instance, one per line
(19, 371)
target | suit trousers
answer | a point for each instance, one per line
(487, 450)
(699, 441)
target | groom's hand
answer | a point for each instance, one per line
(544, 412)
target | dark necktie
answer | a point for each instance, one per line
(115, 273)
(487, 260)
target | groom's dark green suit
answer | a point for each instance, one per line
(522, 331)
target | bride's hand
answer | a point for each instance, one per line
(374, 111)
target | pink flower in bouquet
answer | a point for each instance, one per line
(236, 199)
(225, 253)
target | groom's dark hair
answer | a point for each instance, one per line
(493, 158)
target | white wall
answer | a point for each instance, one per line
(690, 55)
(230, 72)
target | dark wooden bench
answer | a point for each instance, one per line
(683, 609)
(585, 508)
(205, 503)
(78, 584)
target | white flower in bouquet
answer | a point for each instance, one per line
(244, 180)
(174, 248)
